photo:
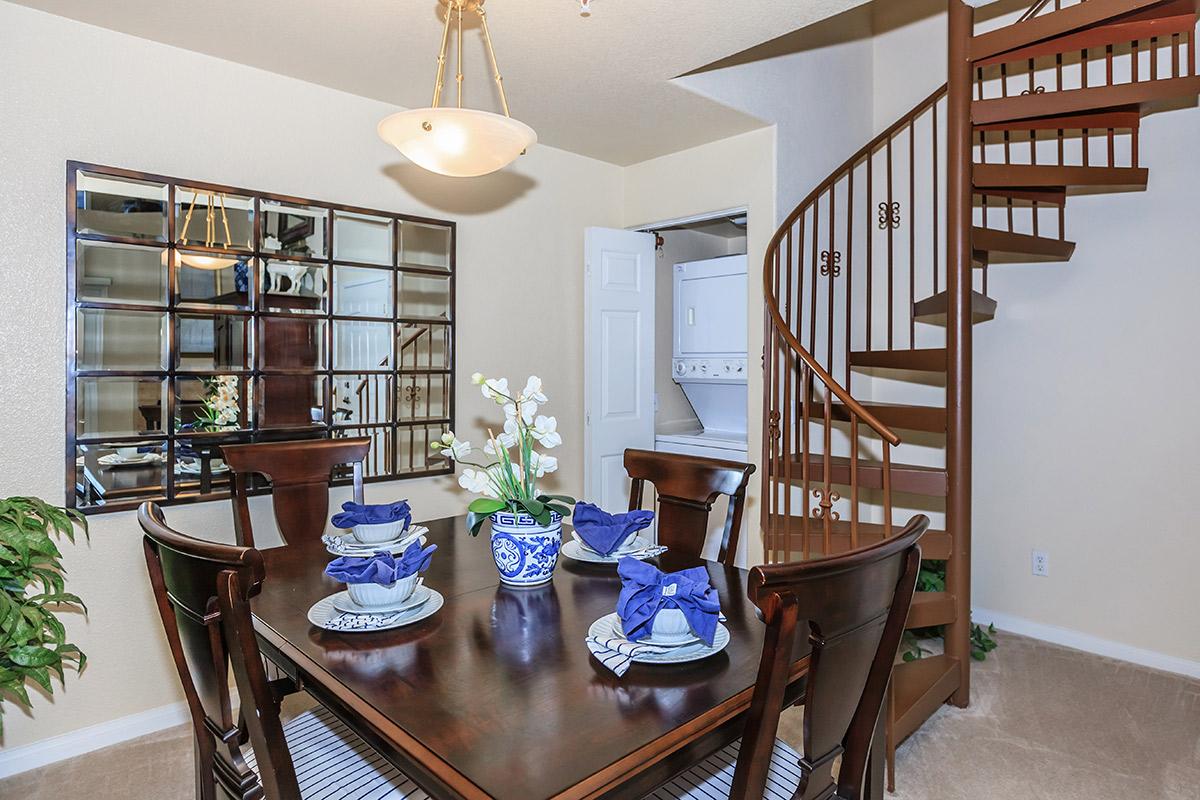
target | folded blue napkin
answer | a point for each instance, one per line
(604, 532)
(355, 514)
(381, 568)
(645, 590)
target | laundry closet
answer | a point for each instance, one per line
(700, 357)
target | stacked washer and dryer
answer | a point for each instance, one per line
(709, 358)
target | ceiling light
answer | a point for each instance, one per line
(459, 142)
(210, 233)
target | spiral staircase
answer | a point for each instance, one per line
(874, 281)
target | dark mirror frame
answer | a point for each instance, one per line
(93, 488)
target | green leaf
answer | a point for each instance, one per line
(562, 510)
(475, 522)
(536, 509)
(32, 656)
(561, 498)
(486, 506)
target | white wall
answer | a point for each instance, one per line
(70, 91)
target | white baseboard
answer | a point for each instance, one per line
(1088, 643)
(14, 760)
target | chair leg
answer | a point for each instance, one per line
(890, 740)
(206, 786)
(873, 790)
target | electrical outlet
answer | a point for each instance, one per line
(1041, 563)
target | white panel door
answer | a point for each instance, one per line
(618, 359)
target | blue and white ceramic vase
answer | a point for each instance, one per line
(525, 551)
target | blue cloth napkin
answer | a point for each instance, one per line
(645, 590)
(381, 568)
(604, 532)
(354, 514)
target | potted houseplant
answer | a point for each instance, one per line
(526, 525)
(33, 642)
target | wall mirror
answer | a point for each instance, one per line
(201, 314)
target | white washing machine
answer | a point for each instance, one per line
(709, 362)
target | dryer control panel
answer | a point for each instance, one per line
(714, 370)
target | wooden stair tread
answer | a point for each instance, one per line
(1159, 21)
(1129, 118)
(933, 309)
(1031, 175)
(924, 360)
(919, 688)
(931, 608)
(1032, 248)
(1142, 94)
(1055, 196)
(935, 545)
(897, 415)
(909, 478)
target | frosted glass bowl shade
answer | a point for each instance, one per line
(458, 142)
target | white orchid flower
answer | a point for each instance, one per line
(528, 410)
(477, 378)
(477, 481)
(542, 464)
(545, 430)
(533, 390)
(495, 389)
(459, 450)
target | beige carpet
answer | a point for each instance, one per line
(1044, 723)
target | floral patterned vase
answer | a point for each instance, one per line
(525, 552)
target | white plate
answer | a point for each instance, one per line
(349, 546)
(580, 552)
(609, 626)
(194, 469)
(114, 460)
(342, 602)
(323, 611)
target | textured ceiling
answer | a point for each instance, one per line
(600, 85)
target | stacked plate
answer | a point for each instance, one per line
(339, 613)
(662, 651)
(349, 546)
(141, 459)
(637, 546)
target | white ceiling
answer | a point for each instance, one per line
(600, 86)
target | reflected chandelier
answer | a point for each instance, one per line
(459, 142)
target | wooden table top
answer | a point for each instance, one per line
(496, 694)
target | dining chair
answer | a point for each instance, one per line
(687, 487)
(299, 472)
(852, 608)
(203, 592)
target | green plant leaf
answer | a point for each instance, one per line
(33, 656)
(475, 522)
(561, 498)
(486, 506)
(562, 510)
(536, 509)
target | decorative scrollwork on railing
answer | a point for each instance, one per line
(1038, 90)
(827, 498)
(412, 393)
(889, 215)
(831, 263)
(773, 426)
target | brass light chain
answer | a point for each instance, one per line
(210, 219)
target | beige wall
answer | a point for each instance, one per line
(71, 91)
(738, 172)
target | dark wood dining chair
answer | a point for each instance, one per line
(852, 607)
(687, 487)
(203, 592)
(300, 472)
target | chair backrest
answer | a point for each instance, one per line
(687, 487)
(300, 472)
(203, 590)
(855, 606)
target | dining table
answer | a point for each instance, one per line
(496, 695)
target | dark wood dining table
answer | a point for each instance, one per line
(496, 694)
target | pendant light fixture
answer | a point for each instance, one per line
(459, 142)
(196, 260)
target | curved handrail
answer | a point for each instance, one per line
(777, 319)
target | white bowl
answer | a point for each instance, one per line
(379, 532)
(671, 626)
(375, 595)
(127, 453)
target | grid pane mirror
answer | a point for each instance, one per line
(201, 315)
